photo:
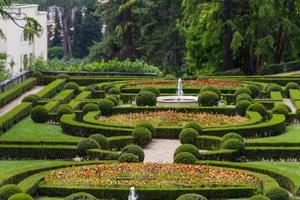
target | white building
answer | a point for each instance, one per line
(20, 51)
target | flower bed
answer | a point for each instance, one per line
(149, 175)
(173, 118)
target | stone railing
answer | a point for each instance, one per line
(11, 82)
(82, 73)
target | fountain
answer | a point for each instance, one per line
(179, 100)
(132, 194)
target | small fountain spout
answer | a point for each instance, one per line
(179, 88)
(133, 195)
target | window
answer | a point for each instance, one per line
(25, 61)
(25, 36)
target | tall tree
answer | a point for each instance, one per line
(57, 40)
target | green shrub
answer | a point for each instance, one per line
(277, 193)
(128, 158)
(107, 87)
(188, 136)
(292, 85)
(101, 140)
(255, 90)
(80, 196)
(259, 197)
(293, 65)
(243, 90)
(113, 98)
(208, 98)
(37, 74)
(114, 90)
(242, 106)
(280, 109)
(85, 144)
(32, 98)
(106, 107)
(152, 89)
(90, 107)
(286, 106)
(39, 114)
(231, 136)
(170, 77)
(142, 136)
(271, 69)
(63, 76)
(194, 125)
(191, 196)
(233, 144)
(185, 158)
(64, 109)
(134, 149)
(187, 148)
(148, 126)
(72, 86)
(242, 97)
(258, 107)
(210, 88)
(146, 99)
(20, 196)
(273, 88)
(8, 190)
(56, 52)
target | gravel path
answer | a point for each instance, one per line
(18, 100)
(290, 103)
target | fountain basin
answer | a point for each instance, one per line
(177, 101)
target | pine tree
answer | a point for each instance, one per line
(57, 39)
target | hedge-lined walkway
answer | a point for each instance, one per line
(18, 100)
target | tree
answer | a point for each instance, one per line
(57, 40)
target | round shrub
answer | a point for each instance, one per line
(114, 90)
(142, 136)
(80, 196)
(233, 144)
(258, 107)
(242, 97)
(106, 106)
(280, 109)
(259, 197)
(274, 88)
(146, 99)
(62, 76)
(89, 88)
(191, 196)
(193, 125)
(20, 196)
(113, 98)
(8, 190)
(85, 144)
(90, 107)
(286, 106)
(277, 193)
(170, 77)
(185, 158)
(128, 158)
(107, 87)
(243, 90)
(39, 114)
(152, 89)
(292, 85)
(210, 88)
(231, 136)
(148, 126)
(134, 149)
(242, 106)
(208, 98)
(188, 136)
(64, 109)
(255, 90)
(32, 98)
(101, 140)
(72, 86)
(187, 148)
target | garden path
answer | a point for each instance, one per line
(290, 103)
(18, 100)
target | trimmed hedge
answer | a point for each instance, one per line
(64, 96)
(51, 89)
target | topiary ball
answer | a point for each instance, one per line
(280, 109)
(62, 76)
(80, 196)
(142, 136)
(242, 97)
(113, 98)
(187, 148)
(134, 149)
(242, 106)
(277, 193)
(185, 158)
(261, 109)
(101, 140)
(106, 107)
(188, 136)
(193, 125)
(292, 85)
(259, 197)
(210, 88)
(85, 144)
(90, 107)
(8, 190)
(191, 196)
(148, 126)
(114, 90)
(170, 77)
(20, 196)
(233, 144)
(152, 89)
(128, 158)
(231, 136)
(146, 99)
(39, 114)
(208, 99)
(243, 90)
(63, 110)
(32, 98)
(273, 88)
(255, 90)
(72, 86)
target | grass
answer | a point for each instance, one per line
(49, 198)
(28, 131)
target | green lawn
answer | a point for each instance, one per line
(28, 131)
(49, 198)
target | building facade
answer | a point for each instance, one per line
(19, 49)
